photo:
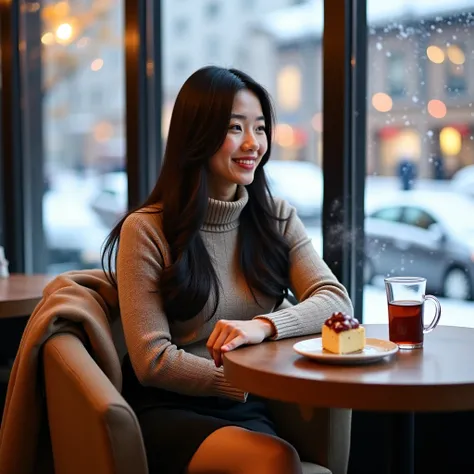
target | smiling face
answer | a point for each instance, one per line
(243, 148)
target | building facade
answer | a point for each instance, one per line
(420, 89)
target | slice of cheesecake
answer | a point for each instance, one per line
(342, 334)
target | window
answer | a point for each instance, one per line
(456, 77)
(426, 55)
(396, 75)
(82, 61)
(289, 88)
(276, 60)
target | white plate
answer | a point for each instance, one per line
(374, 350)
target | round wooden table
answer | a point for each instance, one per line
(439, 377)
(19, 294)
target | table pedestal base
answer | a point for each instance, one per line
(402, 444)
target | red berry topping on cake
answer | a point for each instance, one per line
(339, 322)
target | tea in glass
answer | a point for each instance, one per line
(406, 297)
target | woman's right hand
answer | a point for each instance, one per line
(230, 334)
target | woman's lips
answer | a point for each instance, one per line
(245, 163)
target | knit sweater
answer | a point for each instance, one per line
(173, 355)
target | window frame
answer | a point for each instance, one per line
(345, 74)
(22, 138)
(143, 97)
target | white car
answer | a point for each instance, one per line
(74, 235)
(298, 182)
(110, 203)
(423, 233)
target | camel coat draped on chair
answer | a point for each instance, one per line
(79, 302)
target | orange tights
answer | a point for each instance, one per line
(234, 450)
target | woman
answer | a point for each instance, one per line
(204, 266)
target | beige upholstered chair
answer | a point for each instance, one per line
(94, 430)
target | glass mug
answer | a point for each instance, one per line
(406, 298)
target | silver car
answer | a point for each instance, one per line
(423, 233)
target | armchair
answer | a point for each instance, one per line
(93, 429)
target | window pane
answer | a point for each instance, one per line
(83, 127)
(420, 153)
(278, 42)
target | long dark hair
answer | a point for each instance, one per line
(198, 128)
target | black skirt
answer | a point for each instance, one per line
(174, 426)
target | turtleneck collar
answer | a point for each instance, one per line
(224, 215)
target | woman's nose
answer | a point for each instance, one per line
(250, 143)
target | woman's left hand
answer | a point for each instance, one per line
(230, 334)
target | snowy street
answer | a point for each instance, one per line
(454, 312)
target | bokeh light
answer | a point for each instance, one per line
(382, 102)
(435, 54)
(437, 108)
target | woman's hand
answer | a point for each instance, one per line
(229, 334)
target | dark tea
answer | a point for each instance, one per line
(406, 322)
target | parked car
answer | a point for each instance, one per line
(463, 181)
(110, 203)
(73, 232)
(298, 182)
(423, 233)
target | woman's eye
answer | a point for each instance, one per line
(261, 128)
(235, 127)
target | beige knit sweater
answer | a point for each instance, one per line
(173, 356)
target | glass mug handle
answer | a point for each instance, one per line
(437, 316)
